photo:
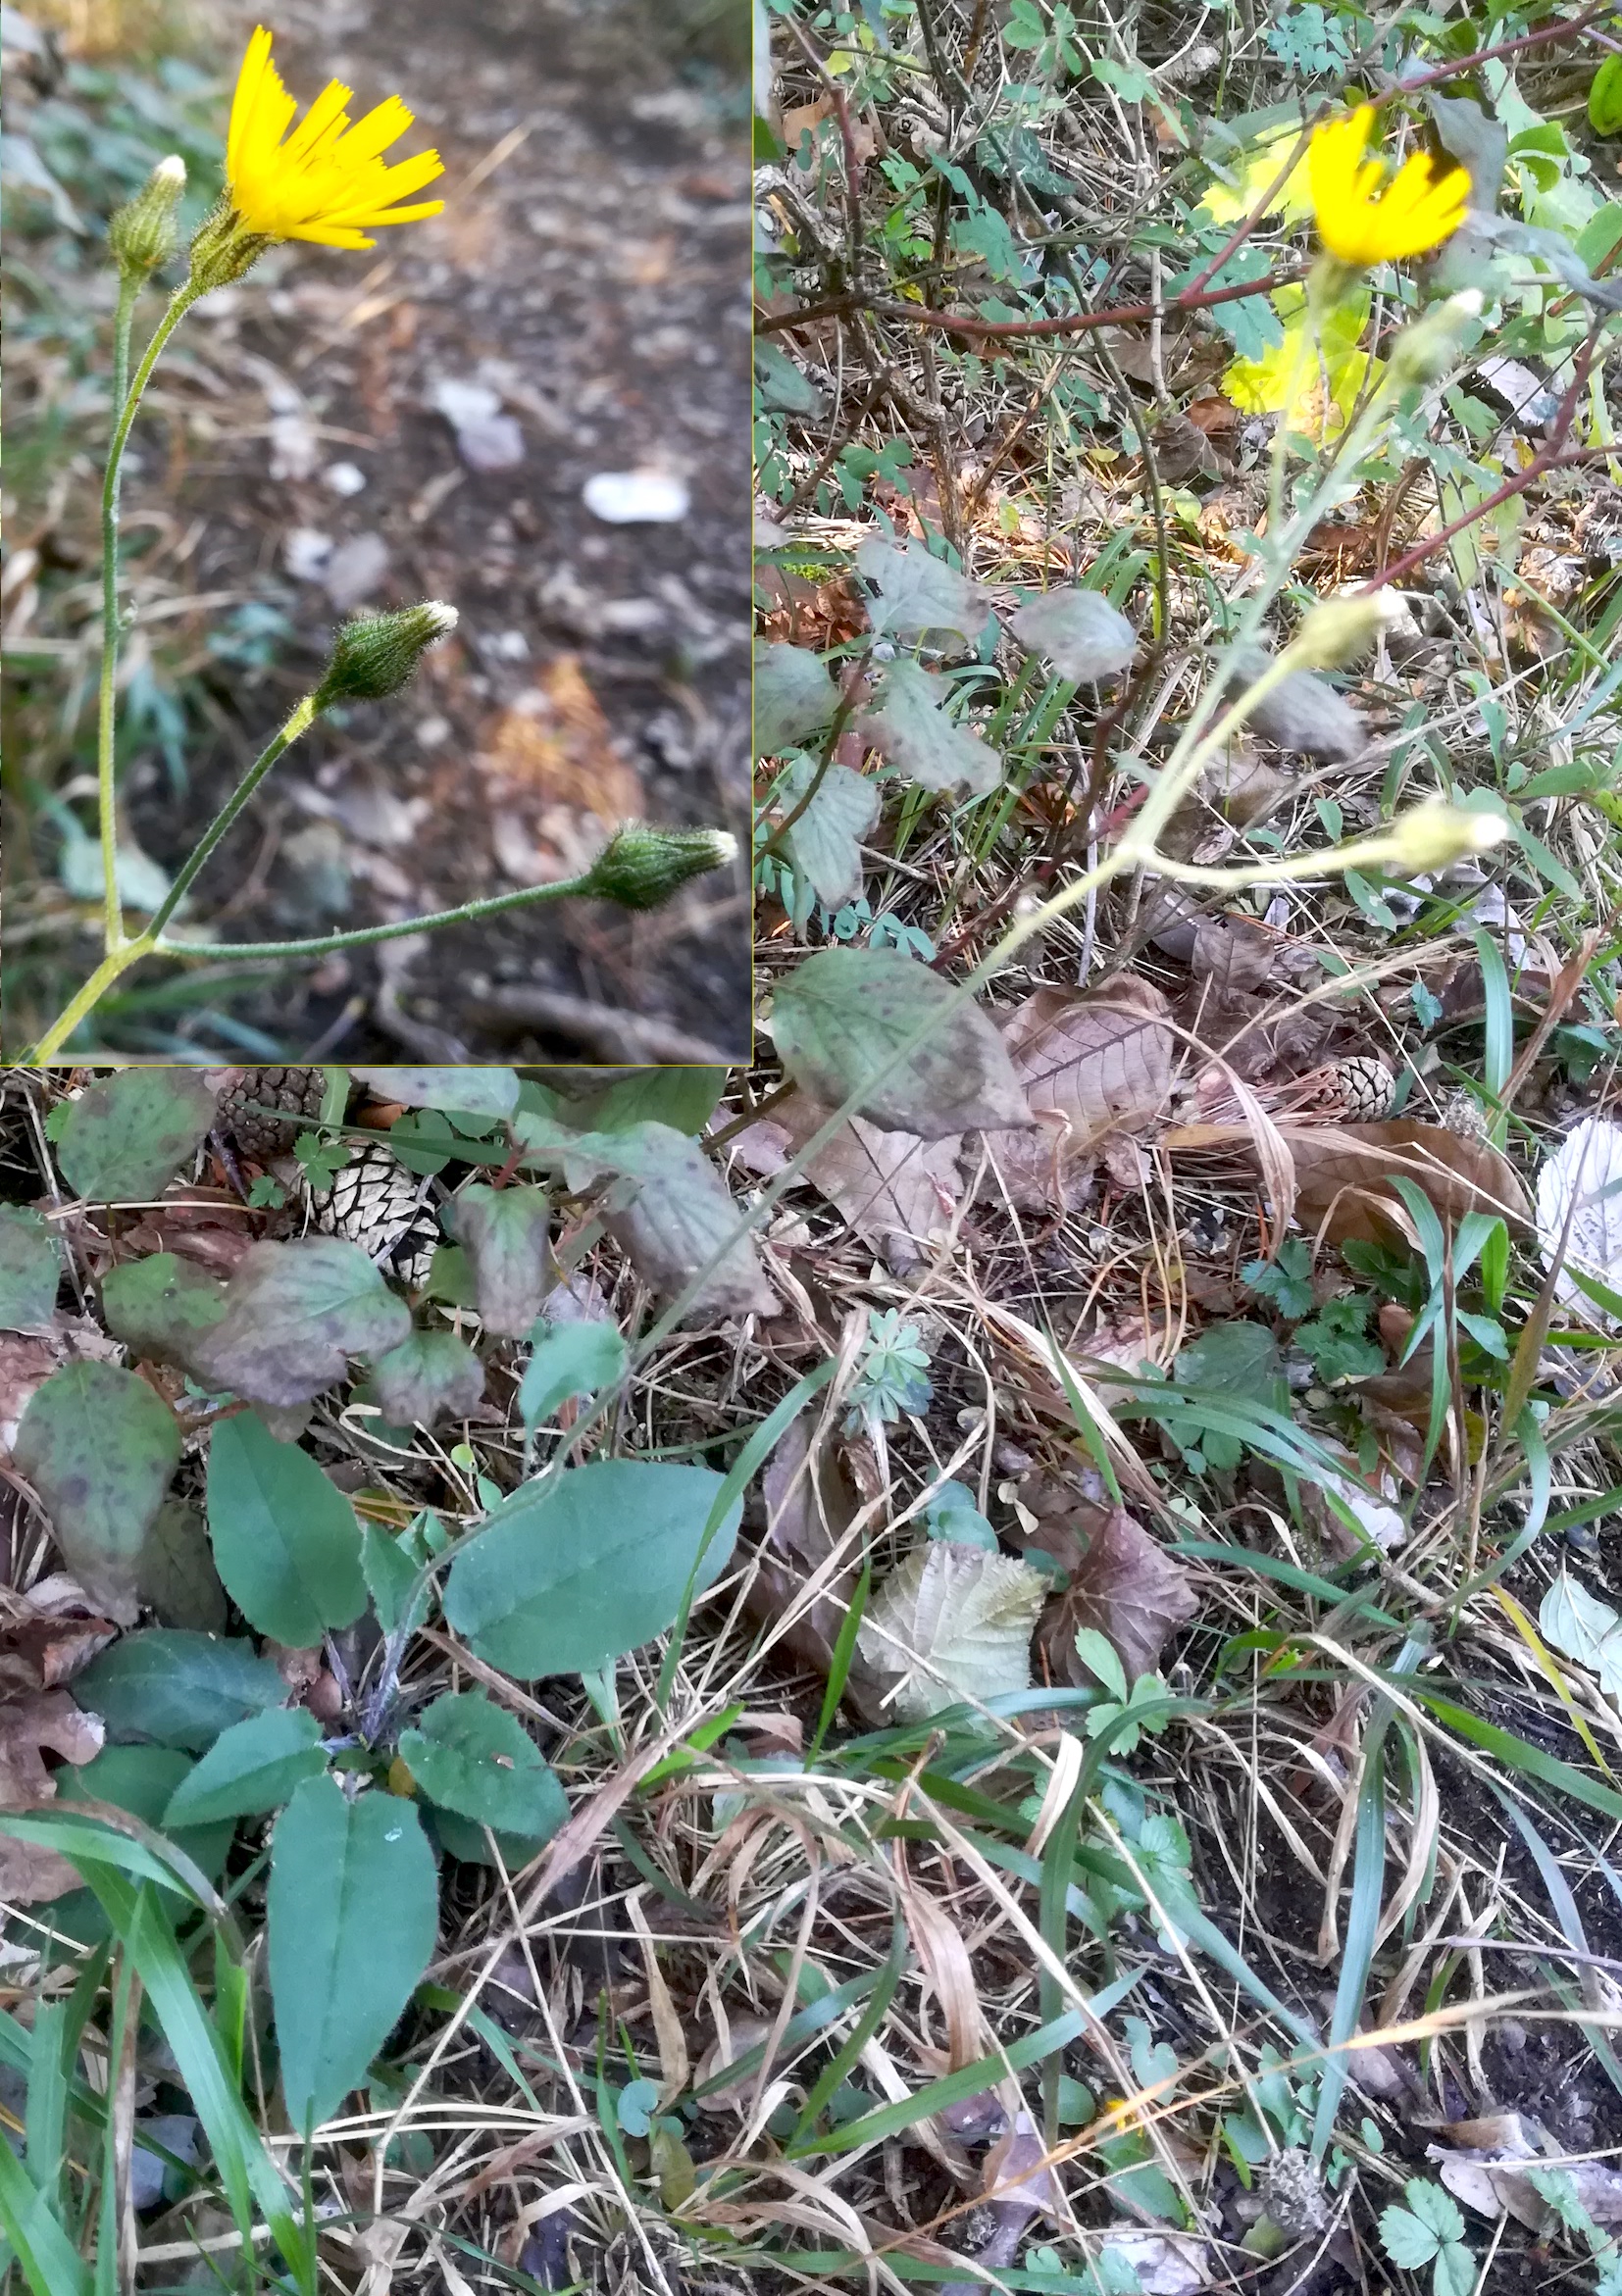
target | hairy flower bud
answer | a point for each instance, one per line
(1436, 833)
(644, 863)
(224, 249)
(1338, 631)
(374, 654)
(142, 233)
(1424, 352)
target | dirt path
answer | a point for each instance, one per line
(590, 277)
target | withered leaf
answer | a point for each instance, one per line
(809, 1507)
(953, 1622)
(30, 1874)
(1092, 1063)
(1121, 1581)
(897, 1192)
(1344, 1173)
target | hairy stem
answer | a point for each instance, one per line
(495, 904)
(125, 403)
(300, 722)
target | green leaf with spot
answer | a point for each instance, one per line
(431, 1376)
(99, 1446)
(30, 1267)
(472, 1757)
(294, 1314)
(506, 1232)
(128, 1136)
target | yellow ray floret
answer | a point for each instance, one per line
(328, 181)
(1362, 224)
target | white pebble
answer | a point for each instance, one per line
(628, 498)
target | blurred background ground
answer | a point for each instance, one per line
(349, 430)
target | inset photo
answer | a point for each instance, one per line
(376, 507)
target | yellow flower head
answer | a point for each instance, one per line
(1359, 223)
(328, 181)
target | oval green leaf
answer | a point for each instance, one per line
(352, 1910)
(253, 1766)
(30, 1267)
(285, 1540)
(577, 1568)
(176, 1687)
(471, 1756)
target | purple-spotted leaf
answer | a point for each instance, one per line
(911, 728)
(468, 1092)
(506, 1231)
(845, 1021)
(432, 1376)
(99, 1447)
(30, 1267)
(795, 695)
(294, 1314)
(161, 1307)
(825, 842)
(125, 1138)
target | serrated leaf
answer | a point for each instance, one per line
(30, 1267)
(352, 1911)
(285, 1539)
(1408, 2243)
(128, 1136)
(1080, 632)
(841, 1018)
(825, 843)
(795, 695)
(920, 597)
(578, 1567)
(253, 1766)
(467, 1091)
(953, 1622)
(294, 1314)
(178, 1689)
(161, 1307)
(909, 726)
(472, 1757)
(431, 1376)
(99, 1446)
(506, 1232)
(568, 1359)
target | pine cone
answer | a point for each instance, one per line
(251, 1093)
(1367, 1088)
(375, 1202)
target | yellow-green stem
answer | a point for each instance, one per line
(117, 962)
(124, 405)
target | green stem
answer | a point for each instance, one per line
(469, 914)
(130, 286)
(297, 724)
(125, 404)
(116, 962)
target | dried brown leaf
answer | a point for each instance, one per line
(897, 1192)
(1092, 1063)
(810, 1506)
(1343, 1174)
(1121, 1581)
(30, 1874)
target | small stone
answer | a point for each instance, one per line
(495, 444)
(464, 403)
(356, 571)
(306, 553)
(344, 478)
(630, 498)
